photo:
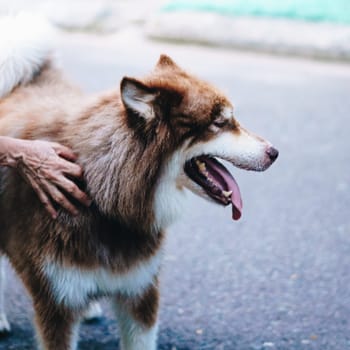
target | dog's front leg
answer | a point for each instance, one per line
(57, 327)
(137, 318)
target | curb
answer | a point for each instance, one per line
(278, 36)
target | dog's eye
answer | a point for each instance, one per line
(220, 122)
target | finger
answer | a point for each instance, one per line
(43, 198)
(64, 152)
(72, 169)
(58, 197)
(71, 188)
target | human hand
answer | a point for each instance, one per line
(47, 166)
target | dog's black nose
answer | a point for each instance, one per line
(273, 153)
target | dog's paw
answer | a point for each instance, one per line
(4, 325)
(93, 312)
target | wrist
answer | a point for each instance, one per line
(11, 151)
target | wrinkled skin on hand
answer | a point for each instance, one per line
(47, 166)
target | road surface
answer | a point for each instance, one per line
(277, 279)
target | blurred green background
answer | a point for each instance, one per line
(336, 11)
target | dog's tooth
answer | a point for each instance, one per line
(227, 193)
(201, 166)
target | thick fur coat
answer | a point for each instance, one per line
(134, 144)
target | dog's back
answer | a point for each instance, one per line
(32, 90)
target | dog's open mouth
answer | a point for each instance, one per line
(216, 181)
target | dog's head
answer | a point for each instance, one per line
(196, 122)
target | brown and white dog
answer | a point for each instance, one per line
(140, 147)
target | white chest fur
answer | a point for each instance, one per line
(169, 199)
(72, 285)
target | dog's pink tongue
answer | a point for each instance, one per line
(236, 211)
(236, 200)
(228, 183)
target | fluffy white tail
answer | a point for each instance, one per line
(25, 45)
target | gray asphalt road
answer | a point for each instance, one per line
(280, 277)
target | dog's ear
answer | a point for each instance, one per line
(166, 61)
(137, 97)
